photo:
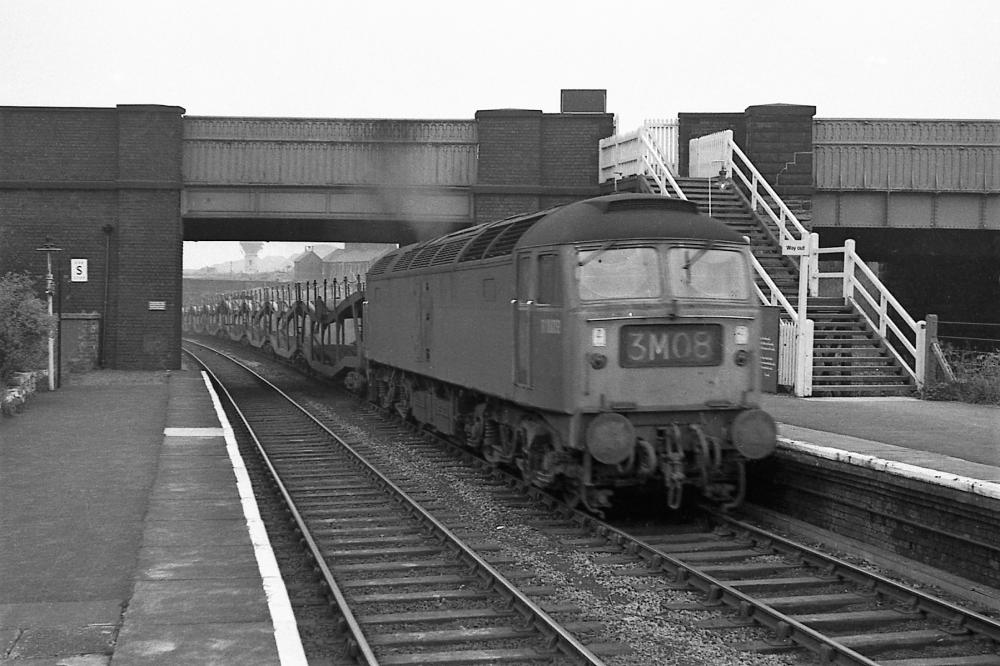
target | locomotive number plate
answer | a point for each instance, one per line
(661, 345)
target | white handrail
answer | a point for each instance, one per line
(776, 298)
(756, 181)
(906, 343)
(638, 154)
(658, 169)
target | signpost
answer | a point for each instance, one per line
(50, 289)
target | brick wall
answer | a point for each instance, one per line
(779, 142)
(947, 528)
(69, 174)
(777, 138)
(51, 145)
(530, 160)
(79, 343)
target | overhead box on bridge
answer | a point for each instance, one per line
(583, 101)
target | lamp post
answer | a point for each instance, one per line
(50, 287)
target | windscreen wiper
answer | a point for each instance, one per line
(598, 252)
(697, 255)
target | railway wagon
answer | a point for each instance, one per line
(604, 343)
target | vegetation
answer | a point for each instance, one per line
(977, 378)
(24, 326)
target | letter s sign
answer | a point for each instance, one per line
(77, 270)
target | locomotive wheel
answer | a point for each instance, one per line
(501, 451)
(538, 458)
(538, 468)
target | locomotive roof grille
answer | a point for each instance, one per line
(476, 248)
(423, 258)
(407, 258)
(451, 250)
(504, 244)
(382, 264)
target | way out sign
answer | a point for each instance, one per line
(77, 270)
(795, 247)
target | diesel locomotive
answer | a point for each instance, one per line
(600, 344)
(597, 345)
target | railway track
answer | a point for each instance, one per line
(807, 599)
(407, 589)
(802, 601)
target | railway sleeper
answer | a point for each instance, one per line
(846, 620)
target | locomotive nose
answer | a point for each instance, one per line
(754, 434)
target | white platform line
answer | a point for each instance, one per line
(286, 631)
(194, 432)
(955, 481)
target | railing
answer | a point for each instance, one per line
(718, 153)
(648, 151)
(774, 295)
(905, 338)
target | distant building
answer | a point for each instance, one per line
(307, 266)
(353, 260)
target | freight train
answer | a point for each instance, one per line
(601, 344)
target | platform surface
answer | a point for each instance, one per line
(952, 437)
(123, 536)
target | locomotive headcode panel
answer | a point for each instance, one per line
(666, 345)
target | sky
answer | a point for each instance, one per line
(449, 58)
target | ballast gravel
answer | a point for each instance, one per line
(637, 621)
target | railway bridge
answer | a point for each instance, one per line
(121, 189)
(117, 190)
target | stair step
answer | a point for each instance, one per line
(837, 371)
(862, 390)
(867, 380)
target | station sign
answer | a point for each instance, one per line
(77, 270)
(795, 248)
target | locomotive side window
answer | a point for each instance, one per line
(628, 272)
(707, 273)
(549, 285)
(524, 278)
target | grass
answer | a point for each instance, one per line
(977, 378)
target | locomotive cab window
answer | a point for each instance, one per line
(706, 272)
(613, 273)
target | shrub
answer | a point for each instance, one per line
(977, 378)
(24, 326)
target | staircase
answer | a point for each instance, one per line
(849, 357)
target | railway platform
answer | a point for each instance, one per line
(949, 441)
(129, 534)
